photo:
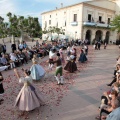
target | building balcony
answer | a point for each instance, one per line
(74, 23)
(96, 24)
(102, 25)
(89, 24)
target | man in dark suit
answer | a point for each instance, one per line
(13, 46)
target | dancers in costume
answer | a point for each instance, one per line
(83, 57)
(68, 53)
(74, 52)
(62, 55)
(1, 84)
(37, 71)
(58, 70)
(51, 57)
(71, 65)
(29, 96)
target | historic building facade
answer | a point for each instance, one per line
(87, 20)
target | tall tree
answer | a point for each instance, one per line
(20, 25)
(3, 28)
(115, 24)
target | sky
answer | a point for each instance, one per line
(31, 7)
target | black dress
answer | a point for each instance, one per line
(1, 85)
(71, 66)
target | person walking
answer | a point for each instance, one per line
(99, 44)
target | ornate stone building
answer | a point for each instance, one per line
(86, 20)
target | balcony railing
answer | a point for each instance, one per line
(102, 25)
(89, 23)
(96, 24)
(75, 23)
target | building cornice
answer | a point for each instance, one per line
(62, 8)
(82, 3)
(97, 7)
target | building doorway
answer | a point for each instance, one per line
(107, 37)
(88, 36)
(98, 35)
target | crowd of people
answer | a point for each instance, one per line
(110, 100)
(62, 54)
(97, 45)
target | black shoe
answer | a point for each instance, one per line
(61, 84)
(108, 85)
(1, 100)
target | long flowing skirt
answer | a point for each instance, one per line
(71, 67)
(82, 58)
(29, 99)
(37, 72)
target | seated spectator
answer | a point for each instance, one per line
(105, 100)
(114, 115)
(40, 53)
(26, 52)
(19, 57)
(116, 78)
(14, 60)
(113, 104)
(4, 61)
(23, 57)
(118, 60)
(115, 71)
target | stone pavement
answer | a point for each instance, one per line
(78, 99)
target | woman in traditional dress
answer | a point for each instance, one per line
(37, 71)
(68, 53)
(71, 65)
(1, 81)
(82, 57)
(29, 97)
(74, 52)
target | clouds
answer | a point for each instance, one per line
(7, 6)
(31, 7)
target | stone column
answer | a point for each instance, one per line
(92, 35)
(84, 34)
(104, 35)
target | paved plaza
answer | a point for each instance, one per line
(77, 99)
